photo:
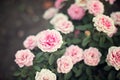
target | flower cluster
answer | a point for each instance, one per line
(79, 44)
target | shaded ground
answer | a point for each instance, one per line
(18, 19)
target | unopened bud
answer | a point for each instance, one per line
(87, 33)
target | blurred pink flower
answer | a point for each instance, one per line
(113, 57)
(92, 56)
(75, 53)
(64, 64)
(45, 74)
(105, 24)
(58, 3)
(64, 26)
(111, 1)
(24, 58)
(58, 17)
(49, 40)
(116, 17)
(95, 7)
(50, 13)
(76, 12)
(30, 42)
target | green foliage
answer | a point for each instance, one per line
(80, 71)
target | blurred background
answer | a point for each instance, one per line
(19, 19)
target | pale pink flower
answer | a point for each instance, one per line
(45, 74)
(75, 53)
(58, 3)
(116, 17)
(50, 13)
(58, 17)
(105, 24)
(49, 40)
(111, 1)
(82, 3)
(92, 56)
(95, 7)
(76, 12)
(113, 57)
(64, 26)
(64, 64)
(30, 42)
(24, 58)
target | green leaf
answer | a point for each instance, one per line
(107, 68)
(76, 41)
(118, 75)
(17, 73)
(102, 42)
(96, 37)
(85, 41)
(84, 27)
(51, 59)
(68, 76)
(37, 68)
(38, 55)
(88, 71)
(77, 72)
(111, 75)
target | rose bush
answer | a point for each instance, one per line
(81, 44)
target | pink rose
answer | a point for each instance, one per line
(113, 57)
(58, 17)
(92, 56)
(58, 4)
(75, 53)
(105, 24)
(64, 64)
(30, 42)
(49, 40)
(64, 26)
(24, 58)
(50, 13)
(111, 1)
(116, 17)
(76, 12)
(95, 7)
(45, 74)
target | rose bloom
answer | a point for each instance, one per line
(111, 1)
(50, 13)
(95, 7)
(92, 56)
(105, 24)
(49, 40)
(76, 12)
(58, 17)
(113, 57)
(64, 26)
(45, 74)
(64, 64)
(81, 3)
(30, 42)
(116, 17)
(58, 4)
(75, 53)
(24, 58)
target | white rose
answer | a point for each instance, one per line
(45, 74)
